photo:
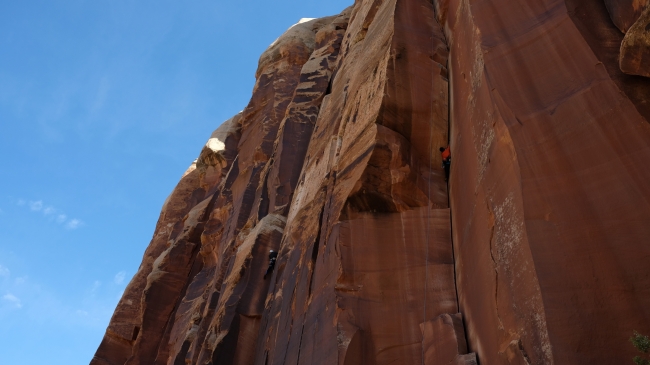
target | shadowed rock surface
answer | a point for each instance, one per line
(536, 251)
(635, 49)
(624, 13)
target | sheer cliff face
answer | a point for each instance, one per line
(549, 186)
(335, 165)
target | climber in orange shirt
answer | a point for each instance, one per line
(446, 160)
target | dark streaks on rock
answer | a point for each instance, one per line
(334, 164)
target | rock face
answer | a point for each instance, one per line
(635, 49)
(625, 12)
(549, 193)
(443, 341)
(539, 241)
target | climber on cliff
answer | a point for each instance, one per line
(446, 160)
(272, 257)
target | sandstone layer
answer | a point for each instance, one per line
(535, 252)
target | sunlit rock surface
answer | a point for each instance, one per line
(535, 252)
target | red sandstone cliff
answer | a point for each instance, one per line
(536, 254)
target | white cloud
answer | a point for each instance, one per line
(20, 281)
(119, 278)
(54, 214)
(2, 211)
(13, 300)
(4, 271)
(74, 224)
(36, 206)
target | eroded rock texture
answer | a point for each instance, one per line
(335, 165)
(635, 49)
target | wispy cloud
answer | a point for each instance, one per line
(12, 300)
(52, 213)
(25, 298)
(74, 224)
(96, 285)
(36, 206)
(119, 278)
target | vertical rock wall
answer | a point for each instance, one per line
(549, 193)
(335, 164)
(352, 274)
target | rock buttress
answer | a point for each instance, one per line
(351, 280)
(337, 145)
(212, 229)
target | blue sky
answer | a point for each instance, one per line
(103, 105)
